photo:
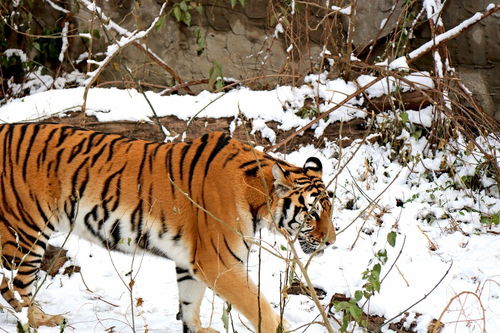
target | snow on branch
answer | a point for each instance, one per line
(113, 49)
(111, 25)
(92, 7)
(434, 9)
(65, 42)
(57, 7)
(441, 38)
(452, 32)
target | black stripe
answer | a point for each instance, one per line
(98, 154)
(28, 272)
(115, 233)
(183, 156)
(184, 278)
(195, 159)
(90, 141)
(24, 127)
(168, 162)
(231, 251)
(74, 179)
(252, 172)
(244, 165)
(218, 252)
(152, 157)
(107, 182)
(180, 270)
(230, 158)
(136, 217)
(100, 140)
(142, 240)
(43, 155)
(221, 143)
(21, 285)
(178, 236)
(111, 147)
(76, 150)
(63, 135)
(143, 161)
(58, 159)
(28, 150)
(44, 216)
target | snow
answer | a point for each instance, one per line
(374, 195)
(65, 42)
(346, 10)
(56, 7)
(445, 36)
(16, 52)
(416, 80)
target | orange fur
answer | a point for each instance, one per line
(198, 204)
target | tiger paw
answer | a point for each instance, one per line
(37, 318)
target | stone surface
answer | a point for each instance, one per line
(476, 53)
(370, 16)
(240, 39)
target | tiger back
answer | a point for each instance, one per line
(198, 204)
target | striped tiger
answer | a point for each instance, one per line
(199, 204)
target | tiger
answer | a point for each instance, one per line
(200, 204)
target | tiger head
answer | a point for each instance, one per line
(302, 205)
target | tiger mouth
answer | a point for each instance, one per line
(307, 246)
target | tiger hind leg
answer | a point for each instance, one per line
(17, 290)
(191, 293)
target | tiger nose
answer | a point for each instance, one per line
(328, 243)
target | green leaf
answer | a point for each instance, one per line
(339, 306)
(404, 116)
(96, 34)
(183, 5)
(382, 255)
(233, 3)
(219, 84)
(242, 3)
(186, 18)
(345, 323)
(358, 295)
(391, 238)
(160, 22)
(493, 219)
(356, 312)
(417, 134)
(225, 315)
(177, 13)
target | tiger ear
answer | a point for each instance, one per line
(281, 183)
(313, 164)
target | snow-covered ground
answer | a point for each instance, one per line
(439, 222)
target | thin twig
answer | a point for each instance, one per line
(420, 300)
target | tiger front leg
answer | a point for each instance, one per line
(235, 287)
(191, 293)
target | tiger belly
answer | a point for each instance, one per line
(117, 232)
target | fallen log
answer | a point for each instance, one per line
(341, 132)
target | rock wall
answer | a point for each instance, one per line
(243, 41)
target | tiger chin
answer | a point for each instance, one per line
(199, 204)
